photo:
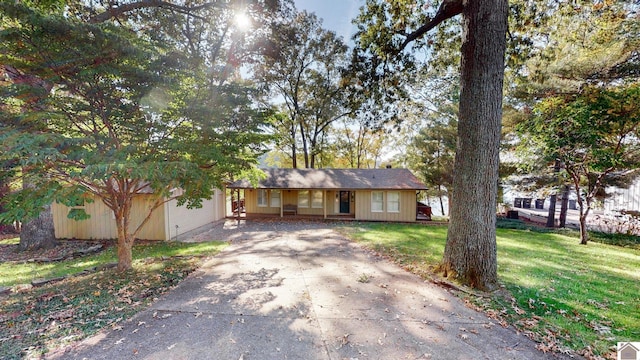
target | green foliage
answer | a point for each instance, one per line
(96, 108)
(560, 47)
(565, 296)
(592, 133)
(306, 77)
(432, 153)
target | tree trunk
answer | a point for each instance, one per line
(564, 205)
(305, 147)
(551, 218)
(38, 233)
(125, 253)
(441, 201)
(470, 251)
(294, 157)
(584, 235)
(125, 239)
(584, 212)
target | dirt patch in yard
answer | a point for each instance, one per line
(65, 250)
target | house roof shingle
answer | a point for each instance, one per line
(345, 179)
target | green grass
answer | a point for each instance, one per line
(22, 273)
(560, 293)
(37, 320)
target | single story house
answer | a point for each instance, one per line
(360, 194)
(168, 222)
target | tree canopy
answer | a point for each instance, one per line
(305, 78)
(122, 112)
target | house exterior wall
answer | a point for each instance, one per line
(251, 203)
(191, 219)
(623, 199)
(102, 223)
(161, 225)
(407, 212)
(287, 197)
(360, 205)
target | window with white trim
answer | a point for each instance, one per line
(316, 199)
(393, 201)
(262, 197)
(377, 201)
(303, 198)
(275, 198)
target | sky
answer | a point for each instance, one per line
(336, 14)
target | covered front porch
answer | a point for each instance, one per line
(324, 204)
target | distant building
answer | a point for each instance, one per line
(623, 199)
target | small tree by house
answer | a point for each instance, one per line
(123, 116)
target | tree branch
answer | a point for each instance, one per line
(447, 10)
(143, 4)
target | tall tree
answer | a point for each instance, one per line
(357, 145)
(37, 232)
(126, 115)
(432, 153)
(563, 48)
(305, 73)
(387, 28)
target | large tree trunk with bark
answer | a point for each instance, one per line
(38, 233)
(125, 253)
(470, 251)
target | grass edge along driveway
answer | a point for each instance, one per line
(36, 321)
(566, 296)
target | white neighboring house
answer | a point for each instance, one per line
(168, 222)
(623, 199)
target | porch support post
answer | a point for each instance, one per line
(324, 203)
(281, 203)
(238, 205)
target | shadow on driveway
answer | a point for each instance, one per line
(300, 290)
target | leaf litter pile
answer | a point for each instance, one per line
(36, 321)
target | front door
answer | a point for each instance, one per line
(345, 201)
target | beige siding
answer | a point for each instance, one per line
(154, 229)
(287, 197)
(333, 202)
(220, 205)
(251, 203)
(360, 205)
(161, 225)
(309, 210)
(102, 224)
(191, 219)
(407, 211)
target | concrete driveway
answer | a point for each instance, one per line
(300, 290)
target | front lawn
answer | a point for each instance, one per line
(35, 321)
(562, 294)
